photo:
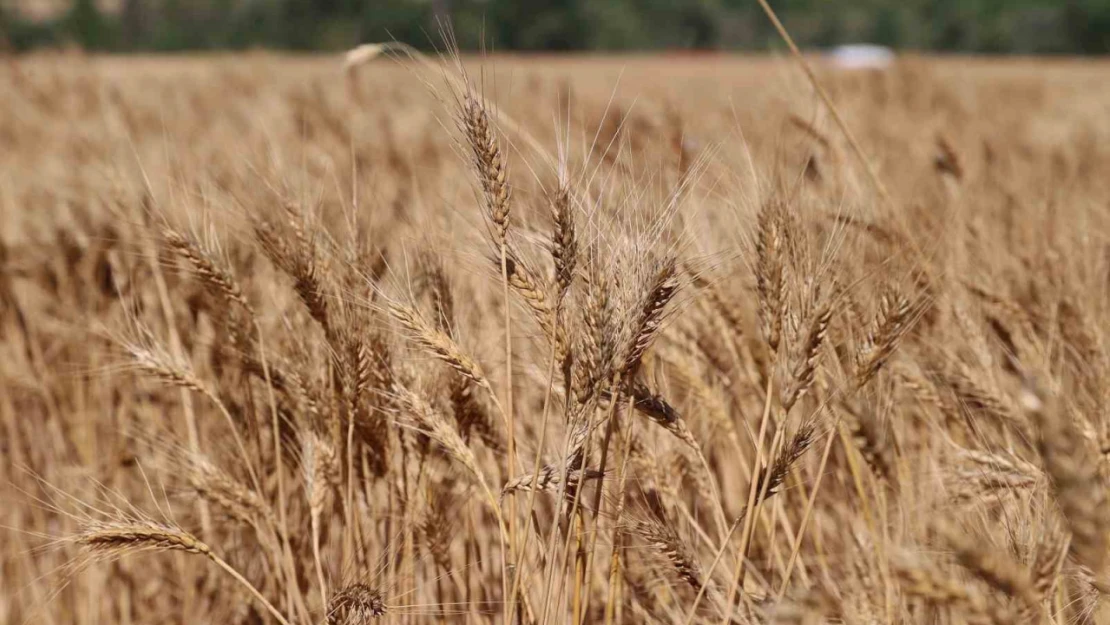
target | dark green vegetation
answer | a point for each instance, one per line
(997, 26)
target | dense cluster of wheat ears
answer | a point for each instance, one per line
(493, 341)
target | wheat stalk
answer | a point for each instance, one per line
(114, 539)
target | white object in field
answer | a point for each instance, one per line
(362, 55)
(861, 56)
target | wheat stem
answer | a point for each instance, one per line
(540, 447)
(753, 491)
(249, 586)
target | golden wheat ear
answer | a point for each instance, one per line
(1073, 472)
(118, 538)
(436, 343)
(355, 604)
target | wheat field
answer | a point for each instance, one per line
(553, 340)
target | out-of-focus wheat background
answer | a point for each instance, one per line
(578, 339)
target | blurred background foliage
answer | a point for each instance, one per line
(993, 26)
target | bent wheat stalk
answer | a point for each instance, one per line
(119, 538)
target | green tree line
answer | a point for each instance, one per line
(995, 26)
